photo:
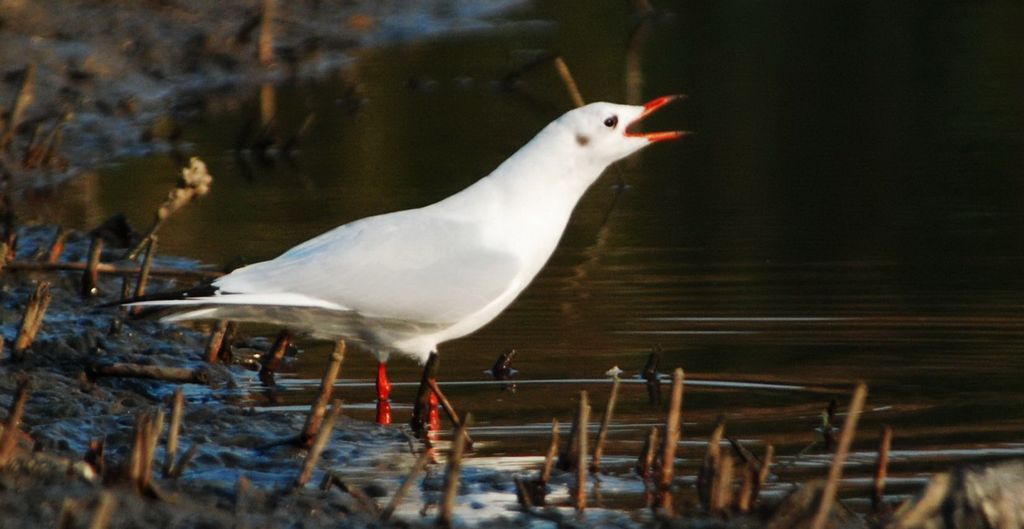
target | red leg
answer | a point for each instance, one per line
(383, 394)
(435, 413)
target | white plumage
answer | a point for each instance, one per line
(407, 281)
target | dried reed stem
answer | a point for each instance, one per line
(57, 245)
(842, 450)
(9, 439)
(647, 454)
(101, 518)
(672, 434)
(448, 409)
(709, 468)
(25, 96)
(722, 489)
(32, 320)
(319, 407)
(90, 277)
(266, 37)
(451, 478)
(581, 453)
(147, 265)
(403, 489)
(322, 436)
(177, 409)
(549, 458)
(195, 181)
(570, 83)
(881, 469)
(602, 434)
(272, 360)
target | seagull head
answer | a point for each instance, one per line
(602, 133)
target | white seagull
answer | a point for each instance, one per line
(407, 281)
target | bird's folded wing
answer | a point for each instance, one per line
(404, 265)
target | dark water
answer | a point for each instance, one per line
(852, 208)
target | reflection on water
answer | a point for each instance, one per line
(850, 209)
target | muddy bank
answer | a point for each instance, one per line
(85, 82)
(72, 456)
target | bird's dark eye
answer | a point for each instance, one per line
(611, 122)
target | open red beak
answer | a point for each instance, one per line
(649, 109)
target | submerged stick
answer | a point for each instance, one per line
(835, 472)
(319, 407)
(451, 477)
(167, 374)
(672, 433)
(182, 464)
(650, 374)
(403, 489)
(602, 434)
(9, 439)
(177, 409)
(583, 415)
(32, 320)
(881, 470)
(322, 436)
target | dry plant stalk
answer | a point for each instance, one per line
(25, 96)
(322, 436)
(581, 453)
(319, 407)
(90, 278)
(32, 320)
(570, 83)
(721, 492)
(451, 477)
(216, 341)
(195, 181)
(602, 434)
(672, 434)
(271, 362)
(709, 468)
(9, 439)
(101, 518)
(842, 450)
(881, 469)
(266, 38)
(647, 454)
(147, 265)
(177, 409)
(762, 473)
(549, 458)
(403, 489)
(57, 246)
(421, 406)
(449, 409)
